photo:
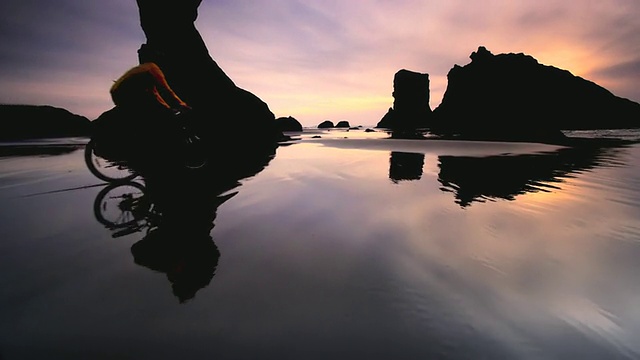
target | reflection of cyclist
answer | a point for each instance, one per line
(145, 87)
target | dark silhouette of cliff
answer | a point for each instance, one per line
(225, 118)
(411, 109)
(175, 45)
(19, 122)
(512, 96)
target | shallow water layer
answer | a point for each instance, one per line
(337, 248)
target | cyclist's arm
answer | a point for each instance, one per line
(168, 95)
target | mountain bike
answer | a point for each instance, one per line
(190, 149)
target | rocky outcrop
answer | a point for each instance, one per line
(174, 43)
(506, 97)
(18, 122)
(343, 124)
(411, 108)
(512, 96)
(327, 124)
(288, 123)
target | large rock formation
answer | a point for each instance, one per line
(411, 108)
(512, 96)
(19, 122)
(174, 43)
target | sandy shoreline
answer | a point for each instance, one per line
(354, 139)
(441, 147)
(41, 147)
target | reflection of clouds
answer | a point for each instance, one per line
(511, 269)
(524, 257)
(354, 251)
(587, 317)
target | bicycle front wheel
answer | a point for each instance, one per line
(104, 169)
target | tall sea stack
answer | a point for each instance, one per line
(411, 108)
(174, 43)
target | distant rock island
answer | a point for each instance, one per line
(288, 123)
(328, 124)
(514, 97)
(20, 122)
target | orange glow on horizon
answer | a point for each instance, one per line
(308, 106)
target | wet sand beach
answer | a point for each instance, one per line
(346, 246)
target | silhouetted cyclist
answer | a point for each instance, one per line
(144, 87)
(143, 126)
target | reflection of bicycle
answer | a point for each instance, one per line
(123, 208)
(189, 150)
(187, 255)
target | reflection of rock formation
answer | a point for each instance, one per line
(189, 265)
(179, 209)
(478, 179)
(405, 166)
(181, 246)
(506, 176)
(411, 108)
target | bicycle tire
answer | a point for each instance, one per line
(105, 169)
(108, 200)
(193, 153)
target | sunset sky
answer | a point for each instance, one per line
(315, 60)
